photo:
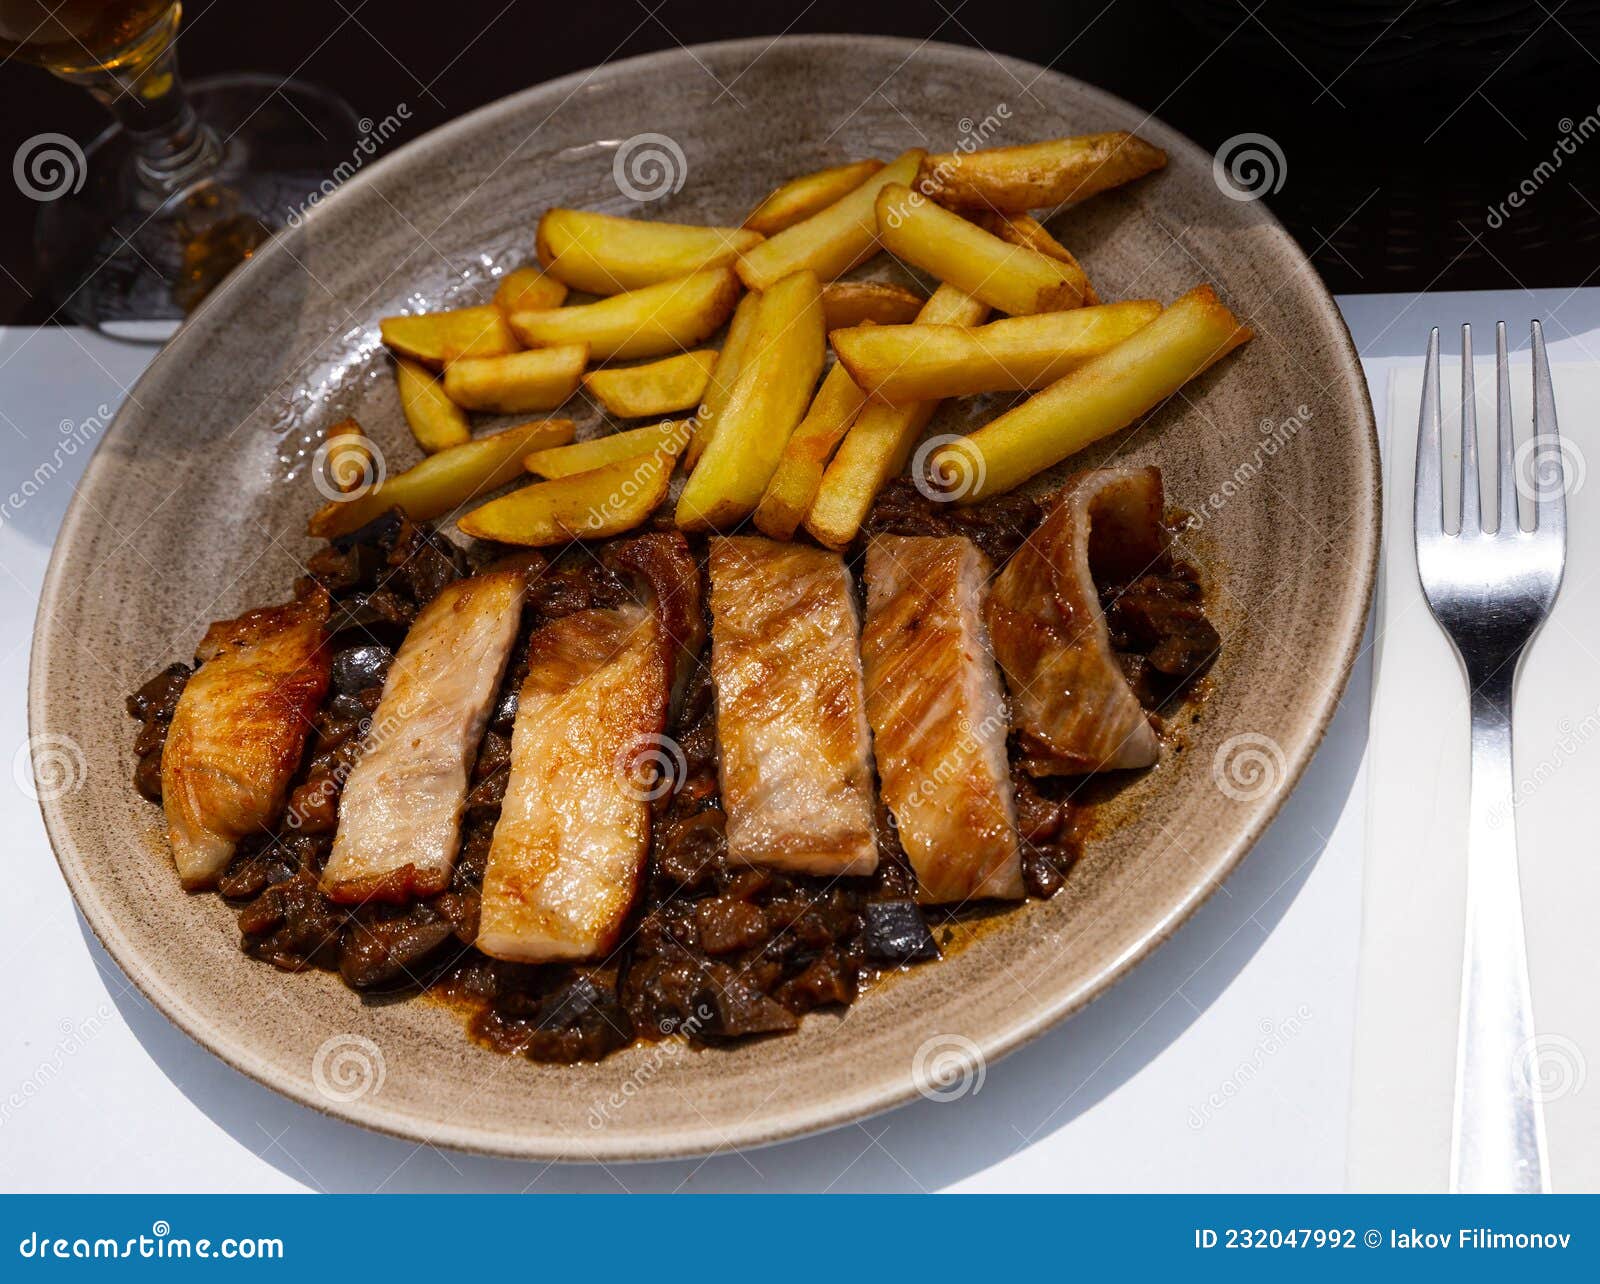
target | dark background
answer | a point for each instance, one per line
(1401, 125)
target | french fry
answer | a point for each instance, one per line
(1024, 229)
(848, 303)
(437, 338)
(435, 421)
(659, 388)
(802, 197)
(724, 374)
(1095, 400)
(670, 317)
(1012, 278)
(348, 457)
(605, 254)
(1035, 176)
(774, 387)
(442, 483)
(794, 485)
(667, 437)
(539, 379)
(880, 441)
(900, 363)
(834, 239)
(529, 289)
(604, 501)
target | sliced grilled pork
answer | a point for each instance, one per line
(238, 731)
(574, 828)
(791, 723)
(1074, 709)
(662, 567)
(400, 813)
(938, 717)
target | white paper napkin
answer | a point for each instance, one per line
(1414, 891)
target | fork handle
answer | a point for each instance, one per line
(1498, 1140)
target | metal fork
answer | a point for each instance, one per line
(1490, 590)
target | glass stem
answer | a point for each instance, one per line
(143, 90)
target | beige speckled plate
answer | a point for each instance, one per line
(194, 506)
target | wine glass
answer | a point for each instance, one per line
(187, 183)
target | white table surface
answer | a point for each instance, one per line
(1251, 1005)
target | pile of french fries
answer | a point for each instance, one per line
(777, 436)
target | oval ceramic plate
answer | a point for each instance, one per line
(195, 504)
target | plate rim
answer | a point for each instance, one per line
(842, 1107)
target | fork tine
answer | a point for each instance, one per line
(1547, 460)
(1509, 520)
(1429, 516)
(1471, 522)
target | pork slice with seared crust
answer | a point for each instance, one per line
(400, 812)
(791, 722)
(239, 729)
(574, 829)
(1075, 712)
(938, 717)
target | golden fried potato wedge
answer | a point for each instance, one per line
(539, 379)
(668, 437)
(1034, 176)
(604, 501)
(437, 338)
(900, 363)
(529, 289)
(348, 455)
(1012, 278)
(659, 388)
(774, 387)
(435, 420)
(802, 197)
(834, 239)
(443, 482)
(880, 441)
(1095, 400)
(605, 254)
(1024, 229)
(848, 303)
(670, 317)
(794, 485)
(730, 359)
